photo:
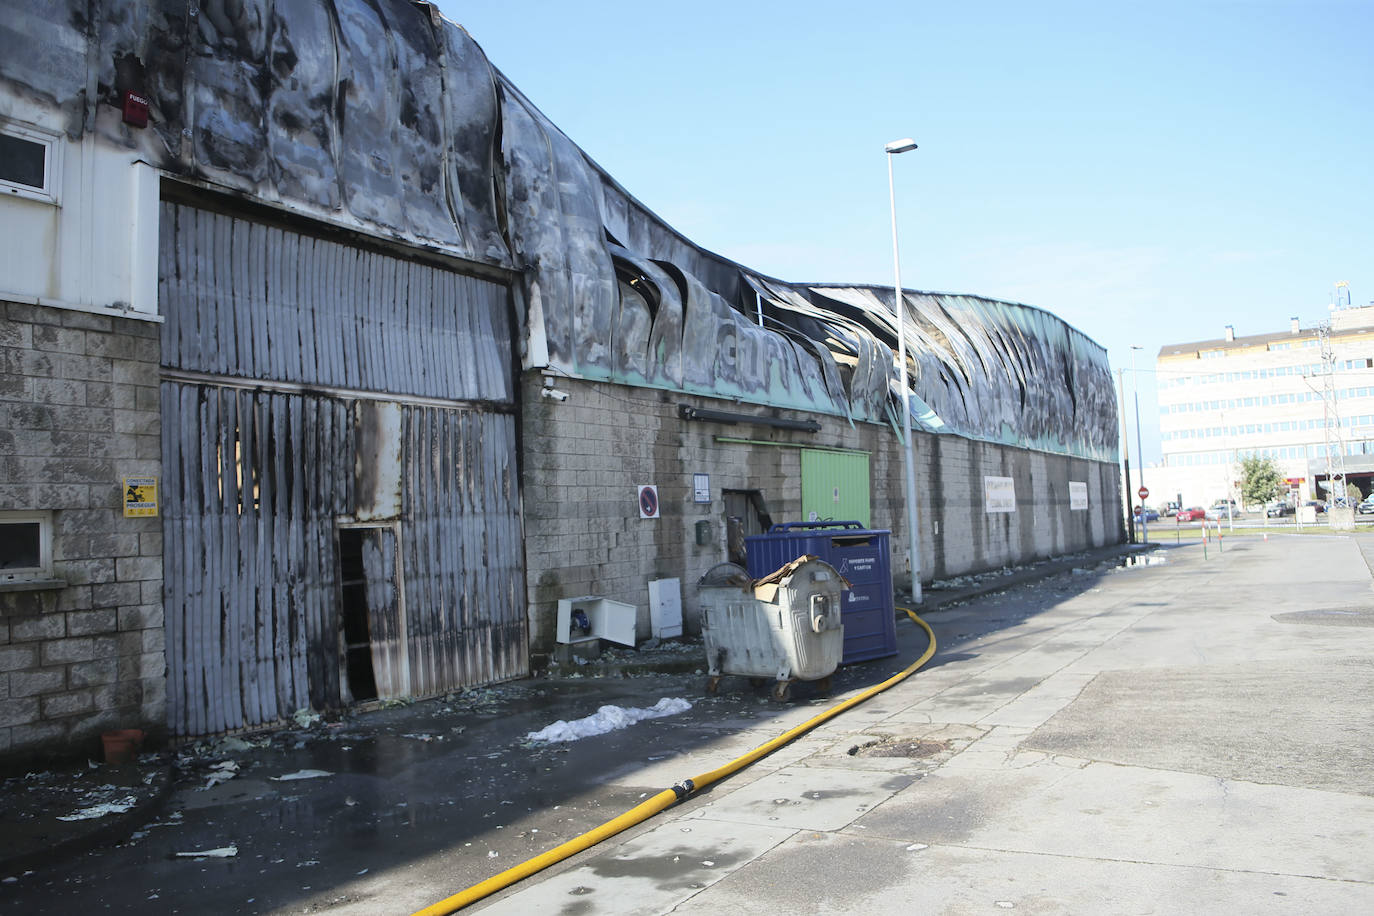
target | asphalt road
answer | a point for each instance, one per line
(1178, 735)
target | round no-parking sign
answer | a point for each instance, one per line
(648, 501)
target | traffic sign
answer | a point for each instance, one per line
(648, 501)
(1142, 493)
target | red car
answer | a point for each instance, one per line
(1195, 514)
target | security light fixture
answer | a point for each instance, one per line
(904, 145)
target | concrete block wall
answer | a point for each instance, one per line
(583, 459)
(79, 411)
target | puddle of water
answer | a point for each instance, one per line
(1149, 559)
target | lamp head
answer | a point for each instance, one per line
(905, 145)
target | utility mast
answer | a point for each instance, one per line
(1335, 444)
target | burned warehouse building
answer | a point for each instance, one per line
(331, 367)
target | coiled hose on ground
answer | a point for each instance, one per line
(668, 797)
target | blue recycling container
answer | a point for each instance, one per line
(861, 555)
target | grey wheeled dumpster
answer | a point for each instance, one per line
(785, 626)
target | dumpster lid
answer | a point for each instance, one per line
(725, 575)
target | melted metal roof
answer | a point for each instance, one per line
(382, 116)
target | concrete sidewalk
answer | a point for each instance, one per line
(1190, 736)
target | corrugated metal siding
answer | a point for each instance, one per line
(256, 481)
(247, 300)
(462, 564)
(252, 484)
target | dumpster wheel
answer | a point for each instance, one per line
(669, 797)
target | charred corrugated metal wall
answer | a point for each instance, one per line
(293, 371)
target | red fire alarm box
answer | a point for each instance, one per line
(135, 109)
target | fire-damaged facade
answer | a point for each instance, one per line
(331, 367)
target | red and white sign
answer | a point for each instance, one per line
(1142, 493)
(648, 501)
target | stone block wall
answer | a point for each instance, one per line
(79, 411)
(583, 459)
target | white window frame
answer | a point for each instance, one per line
(44, 568)
(52, 162)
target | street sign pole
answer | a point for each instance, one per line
(1144, 526)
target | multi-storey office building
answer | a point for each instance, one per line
(1222, 400)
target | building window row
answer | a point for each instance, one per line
(1255, 375)
(1280, 453)
(1264, 400)
(1278, 426)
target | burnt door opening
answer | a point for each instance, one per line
(745, 513)
(359, 680)
(370, 620)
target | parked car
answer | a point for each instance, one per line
(1279, 510)
(1194, 514)
(1224, 513)
(1317, 504)
(1150, 515)
(1366, 507)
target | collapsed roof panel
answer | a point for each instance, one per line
(381, 116)
(377, 116)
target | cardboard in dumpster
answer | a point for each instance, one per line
(766, 589)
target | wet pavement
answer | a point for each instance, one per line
(441, 793)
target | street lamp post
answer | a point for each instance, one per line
(1125, 453)
(899, 306)
(1139, 446)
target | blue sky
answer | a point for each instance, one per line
(1148, 172)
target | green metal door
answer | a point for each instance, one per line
(835, 486)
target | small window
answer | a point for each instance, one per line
(25, 546)
(28, 162)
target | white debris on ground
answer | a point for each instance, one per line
(972, 579)
(115, 807)
(301, 774)
(235, 745)
(221, 772)
(306, 718)
(223, 852)
(607, 719)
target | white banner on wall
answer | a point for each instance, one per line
(999, 493)
(1078, 494)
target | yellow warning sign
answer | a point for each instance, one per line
(140, 496)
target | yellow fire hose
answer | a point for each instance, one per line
(668, 797)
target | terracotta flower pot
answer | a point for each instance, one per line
(122, 745)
